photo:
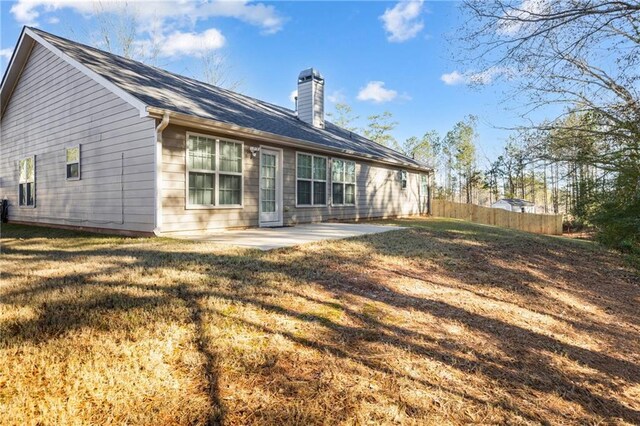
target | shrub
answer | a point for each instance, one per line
(618, 225)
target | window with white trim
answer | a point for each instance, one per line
(343, 183)
(214, 169)
(27, 182)
(403, 179)
(73, 162)
(311, 180)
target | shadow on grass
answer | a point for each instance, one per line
(461, 251)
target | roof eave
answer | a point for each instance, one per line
(232, 129)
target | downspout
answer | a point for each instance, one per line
(158, 163)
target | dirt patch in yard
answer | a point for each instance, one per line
(442, 323)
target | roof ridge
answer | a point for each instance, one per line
(175, 74)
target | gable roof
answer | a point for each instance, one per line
(156, 88)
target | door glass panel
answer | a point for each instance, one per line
(268, 183)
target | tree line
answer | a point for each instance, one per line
(581, 55)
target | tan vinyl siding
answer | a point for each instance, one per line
(176, 217)
(55, 106)
(378, 192)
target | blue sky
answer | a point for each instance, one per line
(375, 56)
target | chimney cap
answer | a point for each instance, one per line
(308, 74)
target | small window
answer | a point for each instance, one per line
(343, 183)
(403, 179)
(27, 182)
(311, 180)
(214, 169)
(73, 162)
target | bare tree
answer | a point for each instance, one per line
(217, 71)
(117, 28)
(579, 53)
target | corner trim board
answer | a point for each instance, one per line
(157, 136)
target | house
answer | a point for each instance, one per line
(515, 205)
(96, 141)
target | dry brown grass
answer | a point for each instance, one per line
(442, 323)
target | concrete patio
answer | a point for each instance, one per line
(272, 238)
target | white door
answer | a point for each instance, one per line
(270, 187)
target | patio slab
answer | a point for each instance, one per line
(272, 238)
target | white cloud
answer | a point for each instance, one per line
(53, 20)
(402, 22)
(264, 16)
(375, 91)
(190, 44)
(6, 53)
(336, 97)
(512, 23)
(452, 78)
(476, 78)
(292, 96)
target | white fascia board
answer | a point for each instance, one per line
(127, 97)
(7, 79)
(10, 65)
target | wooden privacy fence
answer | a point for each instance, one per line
(529, 222)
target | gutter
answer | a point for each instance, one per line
(232, 129)
(158, 172)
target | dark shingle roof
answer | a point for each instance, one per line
(162, 89)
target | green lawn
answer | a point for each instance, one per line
(445, 322)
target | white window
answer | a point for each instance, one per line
(230, 173)
(424, 186)
(214, 172)
(311, 180)
(403, 179)
(27, 182)
(73, 162)
(343, 183)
